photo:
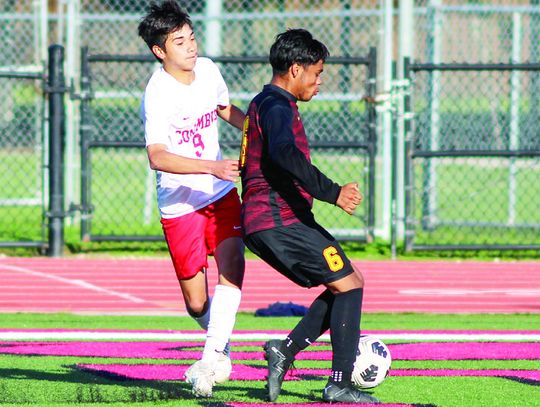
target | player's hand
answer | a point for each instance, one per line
(227, 170)
(349, 197)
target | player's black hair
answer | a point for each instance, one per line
(162, 19)
(296, 46)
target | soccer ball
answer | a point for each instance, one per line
(372, 363)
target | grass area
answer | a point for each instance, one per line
(247, 321)
(54, 379)
(472, 203)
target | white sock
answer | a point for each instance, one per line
(203, 319)
(223, 310)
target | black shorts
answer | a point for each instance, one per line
(306, 254)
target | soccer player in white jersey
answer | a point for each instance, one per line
(197, 198)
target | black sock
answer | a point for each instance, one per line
(314, 323)
(289, 348)
(340, 377)
(345, 333)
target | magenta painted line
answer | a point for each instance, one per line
(252, 373)
(281, 332)
(192, 350)
(533, 375)
(147, 350)
(232, 404)
(466, 351)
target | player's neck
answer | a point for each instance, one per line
(184, 77)
(283, 83)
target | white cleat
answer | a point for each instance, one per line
(201, 376)
(191, 372)
(222, 369)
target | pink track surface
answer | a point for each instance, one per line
(149, 286)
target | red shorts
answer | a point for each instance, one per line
(192, 237)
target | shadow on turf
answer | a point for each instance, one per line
(90, 392)
(171, 390)
(258, 393)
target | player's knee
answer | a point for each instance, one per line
(359, 276)
(360, 281)
(350, 282)
(197, 308)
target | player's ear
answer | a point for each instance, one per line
(294, 70)
(158, 52)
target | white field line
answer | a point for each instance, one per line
(93, 335)
(511, 292)
(79, 283)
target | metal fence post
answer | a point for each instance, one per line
(57, 131)
(372, 137)
(85, 129)
(408, 168)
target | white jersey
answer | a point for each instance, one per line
(184, 118)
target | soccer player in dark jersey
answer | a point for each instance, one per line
(279, 183)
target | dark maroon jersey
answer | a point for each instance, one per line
(278, 180)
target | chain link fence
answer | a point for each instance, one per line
(490, 116)
(236, 27)
(474, 146)
(118, 186)
(475, 31)
(232, 28)
(475, 152)
(22, 145)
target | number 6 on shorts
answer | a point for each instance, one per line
(332, 257)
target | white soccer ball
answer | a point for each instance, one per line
(373, 361)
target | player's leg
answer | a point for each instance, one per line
(281, 353)
(309, 256)
(223, 240)
(311, 326)
(345, 325)
(345, 333)
(291, 250)
(196, 299)
(186, 241)
(264, 244)
(319, 319)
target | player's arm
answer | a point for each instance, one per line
(232, 115)
(276, 122)
(162, 160)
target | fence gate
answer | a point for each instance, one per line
(23, 159)
(118, 188)
(473, 157)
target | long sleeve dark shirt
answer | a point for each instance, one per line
(279, 181)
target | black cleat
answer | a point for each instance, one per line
(334, 394)
(278, 365)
